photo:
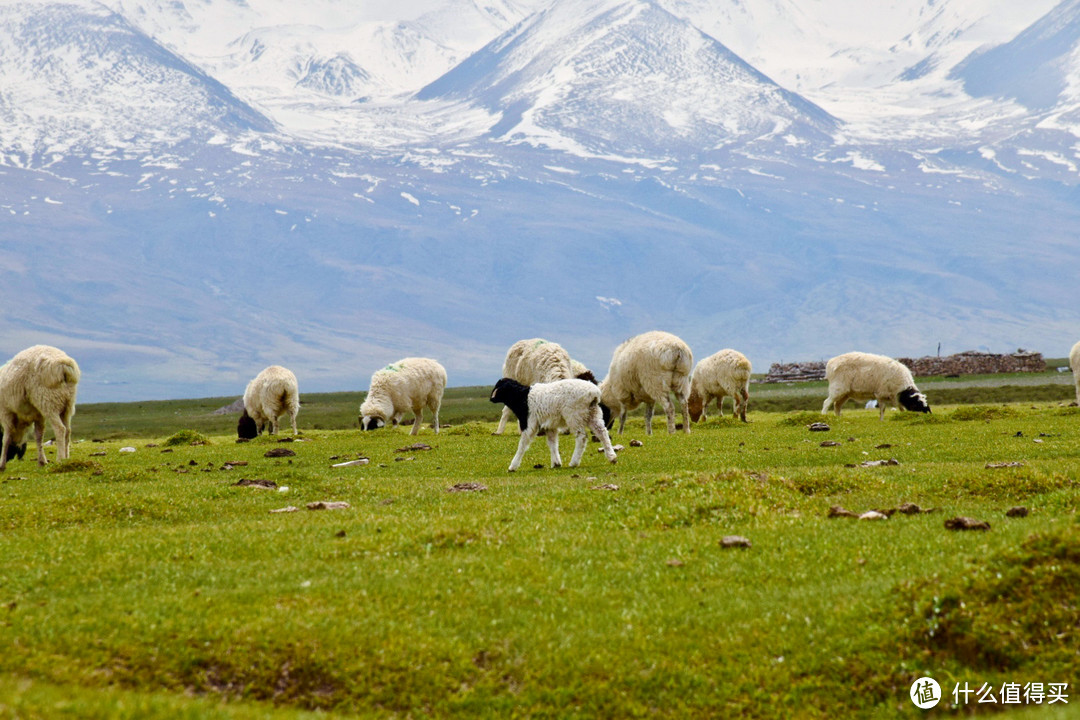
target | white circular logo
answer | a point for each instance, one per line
(925, 693)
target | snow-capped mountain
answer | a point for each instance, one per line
(624, 78)
(193, 189)
(78, 78)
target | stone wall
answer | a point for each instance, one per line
(971, 362)
(796, 372)
(976, 363)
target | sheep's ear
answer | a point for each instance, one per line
(493, 391)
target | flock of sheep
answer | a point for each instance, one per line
(541, 385)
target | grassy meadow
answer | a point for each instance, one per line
(150, 584)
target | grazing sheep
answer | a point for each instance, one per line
(409, 384)
(534, 361)
(645, 369)
(547, 408)
(1074, 363)
(723, 374)
(15, 452)
(270, 395)
(863, 376)
(36, 385)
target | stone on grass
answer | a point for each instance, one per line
(966, 523)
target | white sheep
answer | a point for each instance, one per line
(36, 385)
(1074, 363)
(534, 361)
(864, 376)
(723, 374)
(547, 408)
(271, 394)
(409, 384)
(645, 369)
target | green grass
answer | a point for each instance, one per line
(318, 411)
(148, 584)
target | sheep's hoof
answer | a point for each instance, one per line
(511, 469)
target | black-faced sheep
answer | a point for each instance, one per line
(863, 376)
(723, 374)
(271, 394)
(1074, 363)
(37, 385)
(534, 361)
(547, 408)
(646, 369)
(409, 384)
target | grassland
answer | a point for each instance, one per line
(148, 584)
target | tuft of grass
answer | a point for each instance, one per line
(473, 428)
(72, 466)
(186, 437)
(1016, 609)
(803, 418)
(983, 412)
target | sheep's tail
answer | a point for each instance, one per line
(679, 361)
(56, 372)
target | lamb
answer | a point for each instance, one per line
(864, 376)
(409, 384)
(532, 361)
(1074, 363)
(547, 408)
(271, 394)
(645, 369)
(36, 385)
(723, 374)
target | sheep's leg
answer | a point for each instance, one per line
(828, 404)
(506, 413)
(67, 432)
(292, 417)
(553, 447)
(669, 411)
(839, 403)
(4, 447)
(596, 425)
(684, 403)
(62, 433)
(741, 401)
(622, 419)
(39, 434)
(581, 440)
(418, 417)
(435, 411)
(720, 405)
(881, 409)
(648, 418)
(523, 444)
